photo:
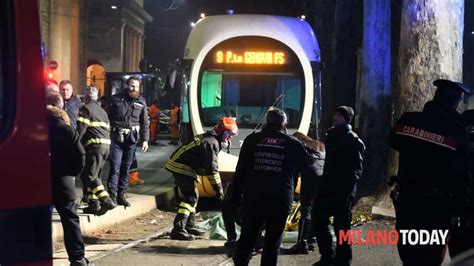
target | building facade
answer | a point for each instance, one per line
(90, 38)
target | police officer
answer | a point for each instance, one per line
(433, 174)
(94, 131)
(128, 116)
(72, 103)
(337, 188)
(268, 164)
(460, 239)
(197, 157)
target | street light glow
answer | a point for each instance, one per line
(203, 15)
(113, 7)
(303, 17)
(193, 24)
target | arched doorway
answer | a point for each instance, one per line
(96, 77)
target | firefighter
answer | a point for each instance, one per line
(431, 189)
(128, 116)
(197, 157)
(94, 131)
(337, 188)
(264, 184)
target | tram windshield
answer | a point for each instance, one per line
(243, 83)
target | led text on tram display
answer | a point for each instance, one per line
(250, 57)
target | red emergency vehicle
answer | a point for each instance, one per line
(25, 190)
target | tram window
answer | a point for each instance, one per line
(211, 90)
(6, 67)
(248, 95)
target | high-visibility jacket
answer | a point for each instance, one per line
(93, 125)
(174, 116)
(154, 113)
(198, 157)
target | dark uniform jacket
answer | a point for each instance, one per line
(67, 154)
(468, 120)
(200, 156)
(72, 107)
(433, 155)
(128, 113)
(269, 162)
(93, 125)
(343, 164)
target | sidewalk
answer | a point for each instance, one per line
(157, 191)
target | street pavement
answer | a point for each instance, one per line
(144, 198)
(163, 251)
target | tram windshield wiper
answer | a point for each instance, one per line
(261, 116)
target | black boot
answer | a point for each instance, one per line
(113, 197)
(106, 204)
(179, 232)
(121, 200)
(191, 227)
(93, 207)
(299, 248)
(81, 262)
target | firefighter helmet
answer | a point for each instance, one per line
(227, 124)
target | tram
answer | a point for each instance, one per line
(240, 66)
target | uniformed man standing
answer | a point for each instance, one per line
(460, 239)
(197, 157)
(269, 162)
(431, 189)
(94, 131)
(337, 188)
(128, 116)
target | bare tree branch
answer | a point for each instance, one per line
(172, 6)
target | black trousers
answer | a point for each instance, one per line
(96, 156)
(308, 192)
(421, 213)
(121, 158)
(188, 199)
(252, 221)
(71, 228)
(231, 216)
(341, 209)
(460, 239)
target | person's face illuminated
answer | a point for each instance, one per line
(134, 88)
(66, 91)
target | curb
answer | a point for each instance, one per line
(141, 204)
(132, 244)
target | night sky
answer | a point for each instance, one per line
(166, 35)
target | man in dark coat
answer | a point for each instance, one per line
(432, 185)
(72, 103)
(460, 239)
(67, 160)
(128, 117)
(268, 165)
(336, 191)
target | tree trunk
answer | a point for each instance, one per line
(431, 45)
(375, 102)
(321, 17)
